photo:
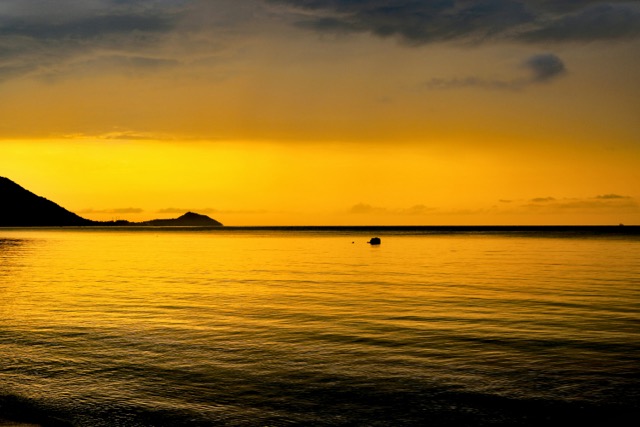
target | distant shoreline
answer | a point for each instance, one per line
(531, 230)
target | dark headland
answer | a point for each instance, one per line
(21, 208)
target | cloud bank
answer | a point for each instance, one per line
(428, 21)
(45, 36)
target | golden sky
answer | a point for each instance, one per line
(275, 112)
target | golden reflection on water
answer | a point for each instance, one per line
(108, 279)
(101, 317)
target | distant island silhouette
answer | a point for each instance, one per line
(21, 208)
(190, 219)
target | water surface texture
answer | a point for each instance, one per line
(316, 327)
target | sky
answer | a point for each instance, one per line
(325, 112)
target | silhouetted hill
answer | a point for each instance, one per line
(22, 208)
(189, 219)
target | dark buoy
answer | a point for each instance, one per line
(374, 241)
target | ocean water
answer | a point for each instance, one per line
(282, 327)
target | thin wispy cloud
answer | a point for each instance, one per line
(600, 202)
(612, 197)
(542, 68)
(364, 208)
(367, 209)
(543, 199)
(209, 211)
(543, 205)
(473, 82)
(183, 210)
(111, 211)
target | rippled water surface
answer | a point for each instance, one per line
(285, 327)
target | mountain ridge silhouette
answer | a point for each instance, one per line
(20, 207)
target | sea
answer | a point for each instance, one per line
(313, 326)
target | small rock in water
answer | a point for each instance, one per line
(374, 241)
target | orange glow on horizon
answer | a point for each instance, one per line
(333, 184)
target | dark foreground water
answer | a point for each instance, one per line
(278, 327)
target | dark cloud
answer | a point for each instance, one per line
(66, 20)
(414, 21)
(46, 37)
(600, 21)
(127, 63)
(43, 36)
(428, 21)
(543, 68)
(86, 27)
